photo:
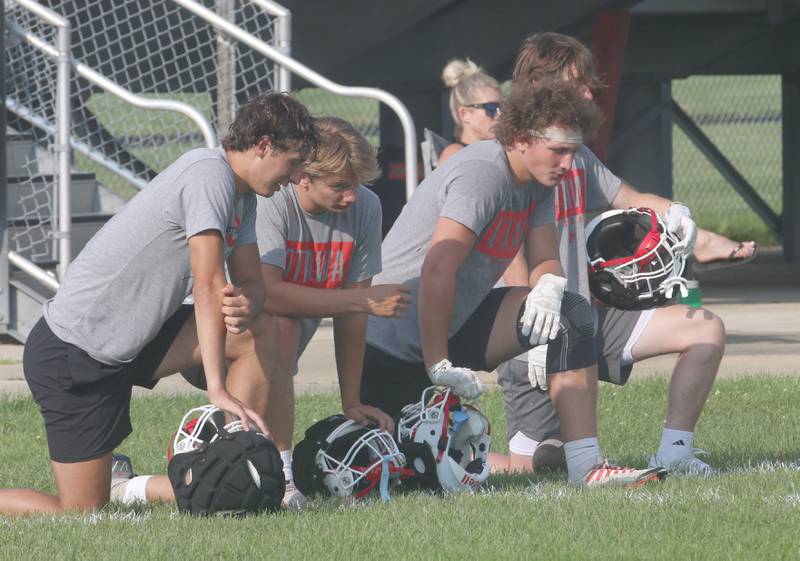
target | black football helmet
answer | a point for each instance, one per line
(339, 457)
(632, 265)
(235, 472)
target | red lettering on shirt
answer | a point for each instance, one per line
(317, 264)
(505, 235)
(232, 233)
(571, 195)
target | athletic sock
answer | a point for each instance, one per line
(675, 444)
(286, 456)
(135, 490)
(582, 455)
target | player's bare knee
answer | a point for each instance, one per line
(280, 329)
(708, 328)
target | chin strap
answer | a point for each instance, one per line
(379, 477)
(384, 485)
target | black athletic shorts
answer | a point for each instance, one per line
(390, 383)
(85, 403)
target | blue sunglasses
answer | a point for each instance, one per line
(492, 108)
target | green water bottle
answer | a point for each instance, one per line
(695, 296)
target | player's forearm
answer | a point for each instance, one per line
(211, 330)
(552, 266)
(294, 300)
(648, 200)
(254, 290)
(437, 287)
(517, 272)
(349, 336)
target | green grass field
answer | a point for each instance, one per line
(750, 511)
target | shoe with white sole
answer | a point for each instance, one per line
(293, 499)
(121, 473)
(608, 475)
(689, 465)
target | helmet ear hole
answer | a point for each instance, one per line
(241, 473)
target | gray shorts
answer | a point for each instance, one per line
(530, 410)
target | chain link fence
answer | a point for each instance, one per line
(158, 49)
(30, 90)
(742, 116)
(363, 113)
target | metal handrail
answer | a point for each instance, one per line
(98, 79)
(43, 124)
(282, 37)
(63, 238)
(33, 270)
(409, 131)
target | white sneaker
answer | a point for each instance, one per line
(689, 465)
(293, 499)
(607, 475)
(121, 473)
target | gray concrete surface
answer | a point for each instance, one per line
(763, 337)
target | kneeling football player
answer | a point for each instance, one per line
(320, 243)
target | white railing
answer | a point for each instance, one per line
(409, 131)
(60, 129)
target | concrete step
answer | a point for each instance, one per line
(20, 155)
(34, 240)
(28, 194)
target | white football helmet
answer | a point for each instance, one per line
(445, 442)
(200, 425)
(632, 265)
(342, 458)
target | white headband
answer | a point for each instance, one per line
(559, 134)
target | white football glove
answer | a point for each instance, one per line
(541, 319)
(537, 367)
(463, 381)
(679, 222)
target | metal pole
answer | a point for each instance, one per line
(283, 39)
(226, 70)
(62, 148)
(4, 276)
(409, 130)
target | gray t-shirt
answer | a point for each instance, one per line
(326, 250)
(135, 272)
(476, 189)
(587, 188)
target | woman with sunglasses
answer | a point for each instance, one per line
(474, 104)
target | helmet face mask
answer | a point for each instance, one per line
(632, 265)
(446, 443)
(199, 426)
(339, 457)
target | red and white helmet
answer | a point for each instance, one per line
(632, 265)
(445, 442)
(200, 425)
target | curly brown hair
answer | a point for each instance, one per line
(549, 55)
(277, 116)
(530, 109)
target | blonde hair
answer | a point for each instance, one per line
(343, 152)
(464, 77)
